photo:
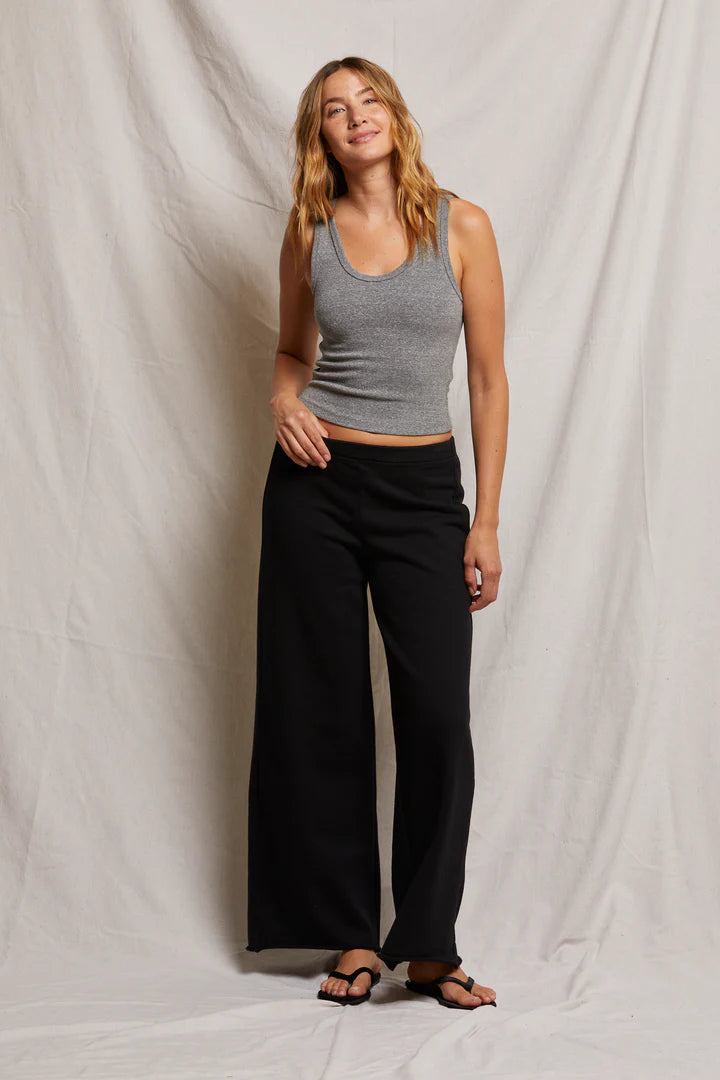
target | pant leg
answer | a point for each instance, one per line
(313, 858)
(416, 526)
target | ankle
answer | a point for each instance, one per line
(431, 968)
(359, 958)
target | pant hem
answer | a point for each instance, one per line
(393, 961)
(317, 948)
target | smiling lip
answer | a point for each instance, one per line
(366, 135)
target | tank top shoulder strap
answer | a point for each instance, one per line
(443, 214)
(321, 250)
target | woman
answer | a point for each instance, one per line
(364, 489)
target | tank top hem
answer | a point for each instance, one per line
(324, 407)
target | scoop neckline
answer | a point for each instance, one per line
(358, 273)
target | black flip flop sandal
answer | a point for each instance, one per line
(350, 999)
(432, 989)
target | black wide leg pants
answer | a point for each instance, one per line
(393, 518)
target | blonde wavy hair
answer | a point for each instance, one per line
(318, 178)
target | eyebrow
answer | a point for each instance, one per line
(363, 91)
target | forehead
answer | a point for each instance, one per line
(344, 84)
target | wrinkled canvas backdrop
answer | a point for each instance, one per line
(145, 189)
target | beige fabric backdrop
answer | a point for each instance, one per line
(145, 186)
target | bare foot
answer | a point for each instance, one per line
(348, 962)
(425, 971)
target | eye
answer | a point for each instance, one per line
(333, 111)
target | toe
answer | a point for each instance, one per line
(484, 994)
(341, 987)
(480, 995)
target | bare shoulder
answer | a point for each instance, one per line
(473, 238)
(290, 255)
(470, 221)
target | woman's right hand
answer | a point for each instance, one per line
(299, 431)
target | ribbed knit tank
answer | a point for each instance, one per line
(388, 341)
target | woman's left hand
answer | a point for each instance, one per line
(482, 553)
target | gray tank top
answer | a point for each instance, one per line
(388, 341)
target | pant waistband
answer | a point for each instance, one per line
(437, 451)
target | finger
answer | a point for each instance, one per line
(295, 451)
(314, 447)
(482, 601)
(285, 446)
(317, 436)
(301, 449)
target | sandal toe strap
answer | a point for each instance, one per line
(356, 972)
(466, 984)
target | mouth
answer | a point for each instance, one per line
(365, 137)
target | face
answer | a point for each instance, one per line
(355, 125)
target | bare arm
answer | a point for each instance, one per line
(297, 429)
(484, 318)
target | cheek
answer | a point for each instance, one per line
(329, 135)
(382, 119)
